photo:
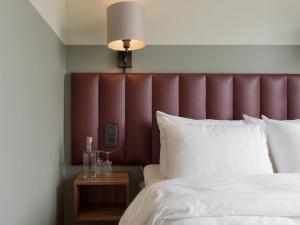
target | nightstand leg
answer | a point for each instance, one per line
(127, 195)
(76, 200)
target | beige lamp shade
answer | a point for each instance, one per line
(125, 21)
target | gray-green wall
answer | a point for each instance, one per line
(33, 89)
(222, 59)
(187, 58)
(32, 68)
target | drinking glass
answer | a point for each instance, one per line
(99, 164)
(107, 164)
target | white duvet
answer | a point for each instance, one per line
(253, 199)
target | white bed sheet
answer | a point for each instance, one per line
(253, 199)
(152, 174)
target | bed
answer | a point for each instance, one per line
(152, 175)
(256, 199)
(263, 197)
(214, 193)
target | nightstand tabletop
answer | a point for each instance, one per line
(115, 178)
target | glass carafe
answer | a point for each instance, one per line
(89, 161)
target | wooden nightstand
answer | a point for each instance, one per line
(101, 199)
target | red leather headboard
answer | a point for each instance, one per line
(131, 100)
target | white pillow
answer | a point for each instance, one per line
(284, 142)
(163, 118)
(195, 150)
(261, 122)
(264, 118)
(253, 120)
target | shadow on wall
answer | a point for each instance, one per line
(60, 205)
(60, 188)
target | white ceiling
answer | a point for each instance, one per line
(182, 22)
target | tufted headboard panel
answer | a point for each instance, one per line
(131, 100)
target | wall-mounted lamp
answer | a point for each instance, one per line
(125, 30)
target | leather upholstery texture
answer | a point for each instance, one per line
(131, 100)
